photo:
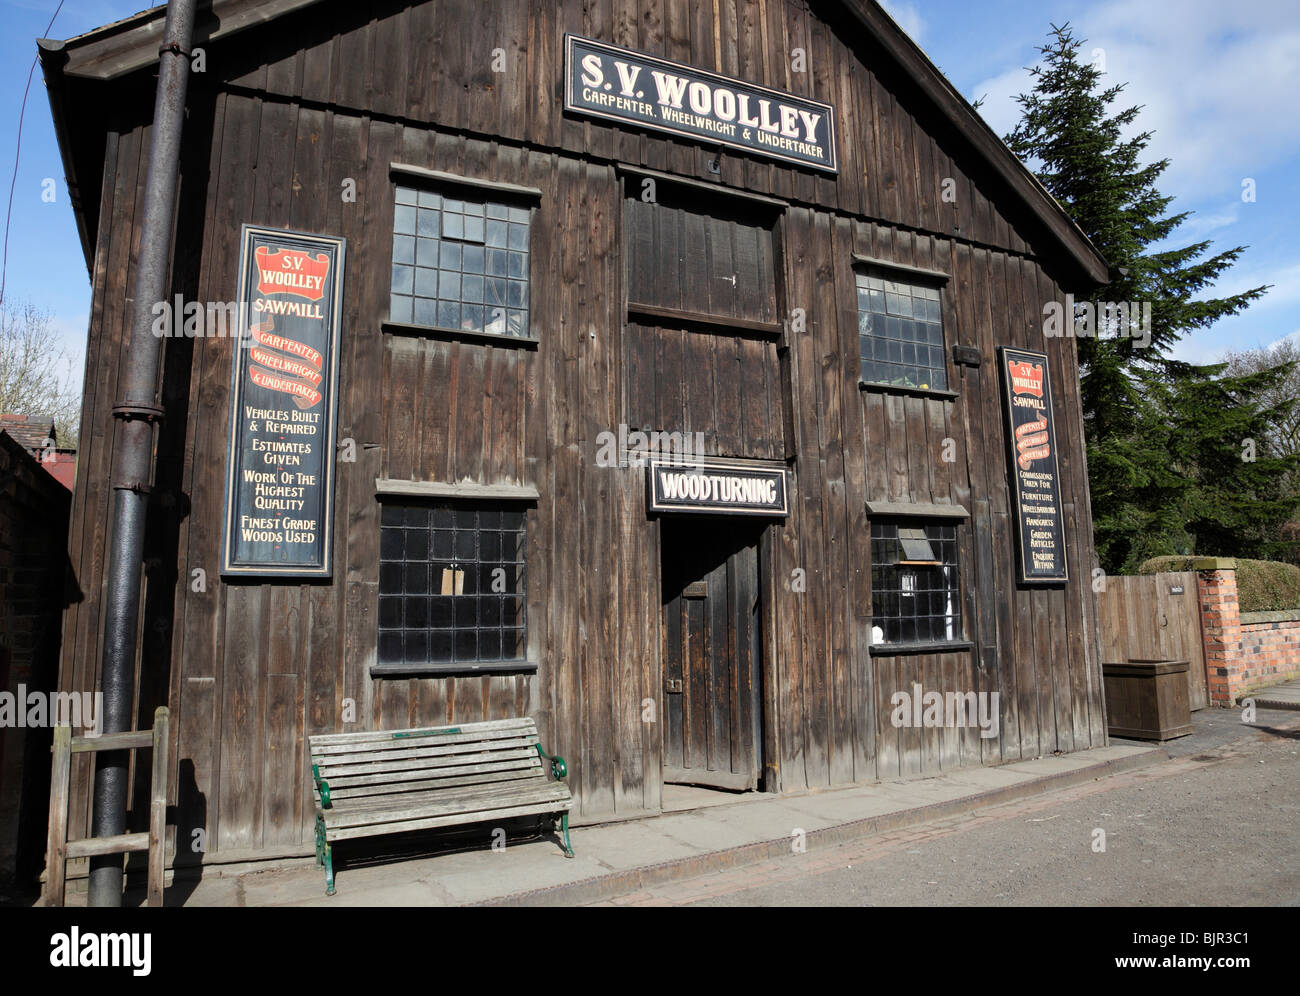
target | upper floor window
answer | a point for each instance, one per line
(460, 263)
(900, 334)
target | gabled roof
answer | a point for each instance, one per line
(124, 47)
(30, 431)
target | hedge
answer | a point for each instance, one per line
(1262, 585)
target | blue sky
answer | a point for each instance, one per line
(1219, 83)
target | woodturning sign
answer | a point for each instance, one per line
(717, 486)
(1036, 484)
(609, 82)
(280, 467)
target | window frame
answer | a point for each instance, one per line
(952, 590)
(478, 565)
(913, 276)
(449, 186)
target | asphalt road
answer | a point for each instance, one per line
(1219, 828)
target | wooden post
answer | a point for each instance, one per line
(56, 848)
(158, 807)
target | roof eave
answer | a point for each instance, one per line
(131, 44)
(984, 140)
(53, 56)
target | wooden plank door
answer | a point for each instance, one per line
(712, 713)
(1155, 617)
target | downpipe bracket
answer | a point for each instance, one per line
(137, 409)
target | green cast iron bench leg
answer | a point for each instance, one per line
(324, 855)
(558, 770)
(564, 825)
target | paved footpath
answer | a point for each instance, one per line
(1221, 827)
(721, 853)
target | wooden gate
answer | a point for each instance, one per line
(1155, 617)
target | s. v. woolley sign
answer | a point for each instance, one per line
(638, 90)
(280, 467)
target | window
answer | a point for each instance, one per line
(915, 594)
(451, 585)
(900, 334)
(459, 263)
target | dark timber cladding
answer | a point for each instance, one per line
(539, 304)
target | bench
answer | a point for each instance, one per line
(372, 784)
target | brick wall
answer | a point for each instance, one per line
(1270, 649)
(1221, 630)
(1243, 652)
(34, 510)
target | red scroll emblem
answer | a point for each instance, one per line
(1026, 378)
(291, 271)
(282, 364)
(1032, 442)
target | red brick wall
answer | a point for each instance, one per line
(1270, 651)
(1221, 629)
(1243, 653)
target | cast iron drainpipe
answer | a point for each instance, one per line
(136, 413)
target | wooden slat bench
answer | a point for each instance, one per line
(371, 784)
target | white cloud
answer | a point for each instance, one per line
(1216, 83)
(1000, 109)
(1284, 280)
(1199, 350)
(1195, 228)
(907, 17)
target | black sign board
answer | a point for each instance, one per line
(1031, 454)
(280, 467)
(639, 90)
(733, 487)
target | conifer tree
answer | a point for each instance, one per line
(1159, 432)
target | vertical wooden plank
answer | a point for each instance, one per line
(243, 730)
(282, 776)
(56, 840)
(839, 339)
(158, 806)
(888, 736)
(369, 232)
(566, 552)
(937, 742)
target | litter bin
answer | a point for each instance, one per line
(1147, 700)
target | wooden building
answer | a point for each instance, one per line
(795, 253)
